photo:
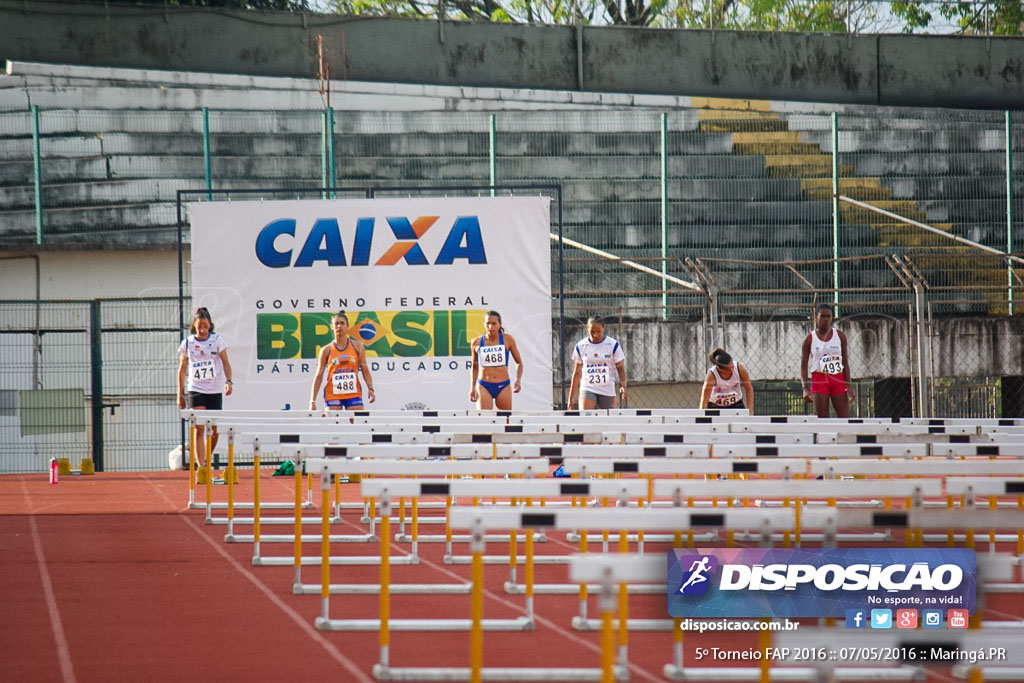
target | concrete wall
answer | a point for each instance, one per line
(90, 274)
(936, 71)
(879, 347)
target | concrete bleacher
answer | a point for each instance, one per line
(117, 143)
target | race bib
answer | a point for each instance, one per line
(492, 356)
(344, 382)
(728, 399)
(597, 376)
(831, 365)
(203, 370)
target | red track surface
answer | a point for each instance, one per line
(111, 577)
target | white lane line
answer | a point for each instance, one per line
(569, 635)
(304, 624)
(63, 652)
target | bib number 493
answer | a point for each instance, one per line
(831, 365)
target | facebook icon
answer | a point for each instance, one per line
(856, 618)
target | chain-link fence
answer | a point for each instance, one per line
(88, 379)
(747, 218)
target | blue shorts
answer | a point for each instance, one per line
(494, 388)
(344, 403)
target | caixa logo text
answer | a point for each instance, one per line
(278, 242)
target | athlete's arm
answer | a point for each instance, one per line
(805, 354)
(576, 374)
(748, 387)
(182, 372)
(705, 391)
(228, 385)
(319, 376)
(475, 370)
(365, 367)
(846, 365)
(621, 368)
(514, 350)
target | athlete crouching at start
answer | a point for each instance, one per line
(344, 358)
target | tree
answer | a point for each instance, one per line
(998, 17)
(283, 5)
(994, 17)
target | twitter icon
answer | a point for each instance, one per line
(881, 618)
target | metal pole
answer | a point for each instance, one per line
(331, 170)
(1009, 206)
(324, 171)
(96, 371)
(561, 302)
(37, 173)
(664, 215)
(181, 306)
(835, 210)
(919, 305)
(207, 162)
(492, 150)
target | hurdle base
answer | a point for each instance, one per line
(503, 559)
(465, 538)
(394, 589)
(753, 674)
(583, 624)
(385, 673)
(315, 561)
(704, 537)
(201, 505)
(517, 624)
(306, 538)
(573, 589)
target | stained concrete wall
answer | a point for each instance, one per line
(879, 347)
(939, 71)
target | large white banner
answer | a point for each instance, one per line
(414, 276)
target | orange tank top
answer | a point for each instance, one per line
(342, 373)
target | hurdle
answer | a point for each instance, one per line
(404, 488)
(968, 489)
(819, 450)
(525, 490)
(384, 623)
(798, 491)
(608, 571)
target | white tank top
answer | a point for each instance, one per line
(827, 356)
(726, 392)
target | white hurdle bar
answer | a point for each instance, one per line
(795, 491)
(624, 519)
(523, 490)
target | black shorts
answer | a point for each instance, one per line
(737, 404)
(208, 401)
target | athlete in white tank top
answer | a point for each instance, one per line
(726, 383)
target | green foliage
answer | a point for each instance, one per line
(996, 17)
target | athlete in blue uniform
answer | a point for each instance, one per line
(490, 383)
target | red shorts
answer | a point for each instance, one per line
(830, 385)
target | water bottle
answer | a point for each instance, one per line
(53, 470)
